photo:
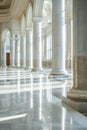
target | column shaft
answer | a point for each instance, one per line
(16, 50)
(37, 44)
(12, 51)
(29, 48)
(77, 96)
(3, 53)
(44, 44)
(58, 37)
(0, 53)
(23, 51)
(68, 45)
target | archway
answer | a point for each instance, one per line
(5, 47)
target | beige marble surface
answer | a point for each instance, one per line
(80, 72)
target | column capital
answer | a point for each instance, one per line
(15, 38)
(23, 34)
(37, 19)
(14, 32)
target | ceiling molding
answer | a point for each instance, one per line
(16, 9)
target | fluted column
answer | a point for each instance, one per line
(3, 53)
(12, 51)
(77, 96)
(37, 44)
(23, 51)
(58, 38)
(29, 45)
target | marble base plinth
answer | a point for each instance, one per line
(28, 68)
(80, 106)
(3, 66)
(59, 73)
(22, 67)
(37, 70)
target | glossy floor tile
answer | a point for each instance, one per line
(32, 101)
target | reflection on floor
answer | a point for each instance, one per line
(32, 101)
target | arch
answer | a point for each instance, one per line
(29, 16)
(4, 33)
(23, 24)
(37, 8)
(5, 47)
(47, 13)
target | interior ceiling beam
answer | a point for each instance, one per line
(16, 9)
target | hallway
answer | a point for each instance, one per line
(28, 102)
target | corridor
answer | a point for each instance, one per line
(32, 101)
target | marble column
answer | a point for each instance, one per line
(58, 38)
(44, 47)
(44, 44)
(12, 51)
(3, 53)
(17, 38)
(68, 44)
(29, 45)
(77, 96)
(0, 50)
(37, 44)
(23, 51)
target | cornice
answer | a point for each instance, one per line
(16, 10)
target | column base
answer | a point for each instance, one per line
(76, 99)
(4, 66)
(28, 68)
(37, 70)
(22, 67)
(12, 67)
(59, 73)
(77, 105)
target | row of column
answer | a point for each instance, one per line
(30, 48)
(58, 43)
(25, 50)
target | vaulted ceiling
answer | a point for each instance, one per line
(12, 9)
(4, 6)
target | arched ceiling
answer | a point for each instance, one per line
(5, 6)
(12, 9)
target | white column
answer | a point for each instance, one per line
(3, 53)
(37, 44)
(23, 51)
(58, 38)
(44, 44)
(77, 96)
(12, 51)
(44, 50)
(16, 50)
(68, 44)
(0, 53)
(29, 45)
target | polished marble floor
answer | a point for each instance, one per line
(32, 101)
